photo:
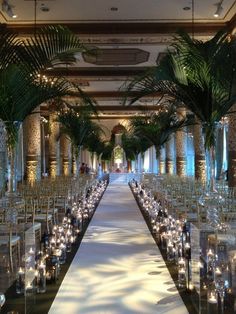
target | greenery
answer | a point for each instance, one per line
(76, 123)
(157, 127)
(134, 144)
(23, 83)
(107, 150)
(199, 75)
(94, 142)
(23, 86)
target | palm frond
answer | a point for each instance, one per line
(78, 127)
(21, 90)
(53, 45)
(157, 127)
(199, 75)
(8, 45)
(107, 150)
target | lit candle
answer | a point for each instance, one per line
(210, 253)
(31, 251)
(212, 298)
(218, 271)
(28, 286)
(187, 245)
(190, 286)
(181, 262)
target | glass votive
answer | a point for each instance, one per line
(29, 289)
(218, 272)
(181, 262)
(212, 297)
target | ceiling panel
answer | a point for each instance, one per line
(75, 11)
(117, 26)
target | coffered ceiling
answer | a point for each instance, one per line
(132, 35)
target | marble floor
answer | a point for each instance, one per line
(118, 268)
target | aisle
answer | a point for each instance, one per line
(118, 268)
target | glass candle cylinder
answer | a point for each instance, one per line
(41, 282)
(181, 277)
(2, 300)
(170, 251)
(62, 258)
(20, 281)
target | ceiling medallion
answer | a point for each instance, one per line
(117, 56)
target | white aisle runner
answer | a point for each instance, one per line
(118, 268)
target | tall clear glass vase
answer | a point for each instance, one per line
(210, 132)
(210, 169)
(11, 176)
(12, 129)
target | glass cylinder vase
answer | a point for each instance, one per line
(209, 132)
(41, 279)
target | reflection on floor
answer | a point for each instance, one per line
(118, 268)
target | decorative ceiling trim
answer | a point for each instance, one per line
(114, 116)
(96, 72)
(113, 94)
(126, 28)
(127, 108)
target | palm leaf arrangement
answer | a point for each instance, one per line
(199, 75)
(77, 125)
(107, 150)
(134, 143)
(130, 146)
(94, 142)
(157, 127)
(23, 86)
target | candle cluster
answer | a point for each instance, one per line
(211, 266)
(45, 265)
(172, 234)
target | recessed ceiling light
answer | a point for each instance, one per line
(186, 8)
(14, 16)
(114, 9)
(219, 10)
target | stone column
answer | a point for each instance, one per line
(170, 155)
(74, 165)
(32, 139)
(199, 153)
(65, 154)
(232, 148)
(54, 146)
(151, 161)
(3, 156)
(162, 159)
(181, 146)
